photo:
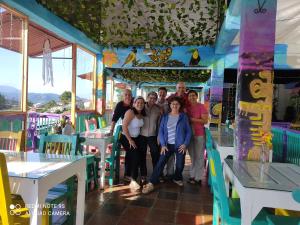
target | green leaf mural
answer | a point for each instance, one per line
(162, 75)
(126, 23)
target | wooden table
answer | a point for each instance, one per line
(262, 185)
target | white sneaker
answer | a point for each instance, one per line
(148, 188)
(178, 182)
(134, 185)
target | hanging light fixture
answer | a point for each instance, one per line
(147, 49)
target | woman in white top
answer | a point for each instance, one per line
(130, 139)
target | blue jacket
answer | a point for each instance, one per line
(183, 130)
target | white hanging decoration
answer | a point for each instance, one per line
(47, 63)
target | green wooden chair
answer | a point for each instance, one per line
(228, 209)
(278, 144)
(114, 159)
(286, 220)
(293, 147)
(65, 145)
(208, 146)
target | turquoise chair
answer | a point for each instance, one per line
(114, 159)
(278, 144)
(293, 147)
(64, 145)
(286, 220)
(228, 209)
(208, 146)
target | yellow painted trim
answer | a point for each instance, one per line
(74, 72)
(94, 80)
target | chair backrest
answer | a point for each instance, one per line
(102, 122)
(296, 195)
(5, 199)
(58, 144)
(218, 183)
(12, 140)
(90, 124)
(293, 147)
(117, 136)
(208, 139)
(278, 144)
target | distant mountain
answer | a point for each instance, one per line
(12, 93)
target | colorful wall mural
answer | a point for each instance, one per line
(182, 56)
(100, 89)
(255, 79)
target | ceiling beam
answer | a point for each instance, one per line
(230, 27)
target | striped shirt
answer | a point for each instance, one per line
(171, 125)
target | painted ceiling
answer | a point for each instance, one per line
(122, 23)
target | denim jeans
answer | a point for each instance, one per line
(180, 160)
(153, 146)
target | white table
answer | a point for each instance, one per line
(99, 138)
(262, 185)
(32, 175)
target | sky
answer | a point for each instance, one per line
(11, 71)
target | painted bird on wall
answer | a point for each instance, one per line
(195, 58)
(131, 58)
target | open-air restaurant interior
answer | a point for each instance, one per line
(150, 112)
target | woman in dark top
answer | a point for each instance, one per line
(119, 112)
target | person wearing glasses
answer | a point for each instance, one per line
(119, 113)
(174, 136)
(149, 131)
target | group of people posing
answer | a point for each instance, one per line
(169, 127)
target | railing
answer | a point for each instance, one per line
(286, 145)
(40, 123)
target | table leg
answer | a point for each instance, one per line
(246, 210)
(102, 166)
(30, 197)
(80, 194)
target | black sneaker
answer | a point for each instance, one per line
(192, 180)
(198, 182)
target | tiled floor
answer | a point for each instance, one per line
(168, 204)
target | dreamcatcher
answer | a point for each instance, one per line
(47, 63)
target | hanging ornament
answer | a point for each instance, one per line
(47, 63)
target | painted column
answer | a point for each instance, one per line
(216, 88)
(101, 86)
(255, 77)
